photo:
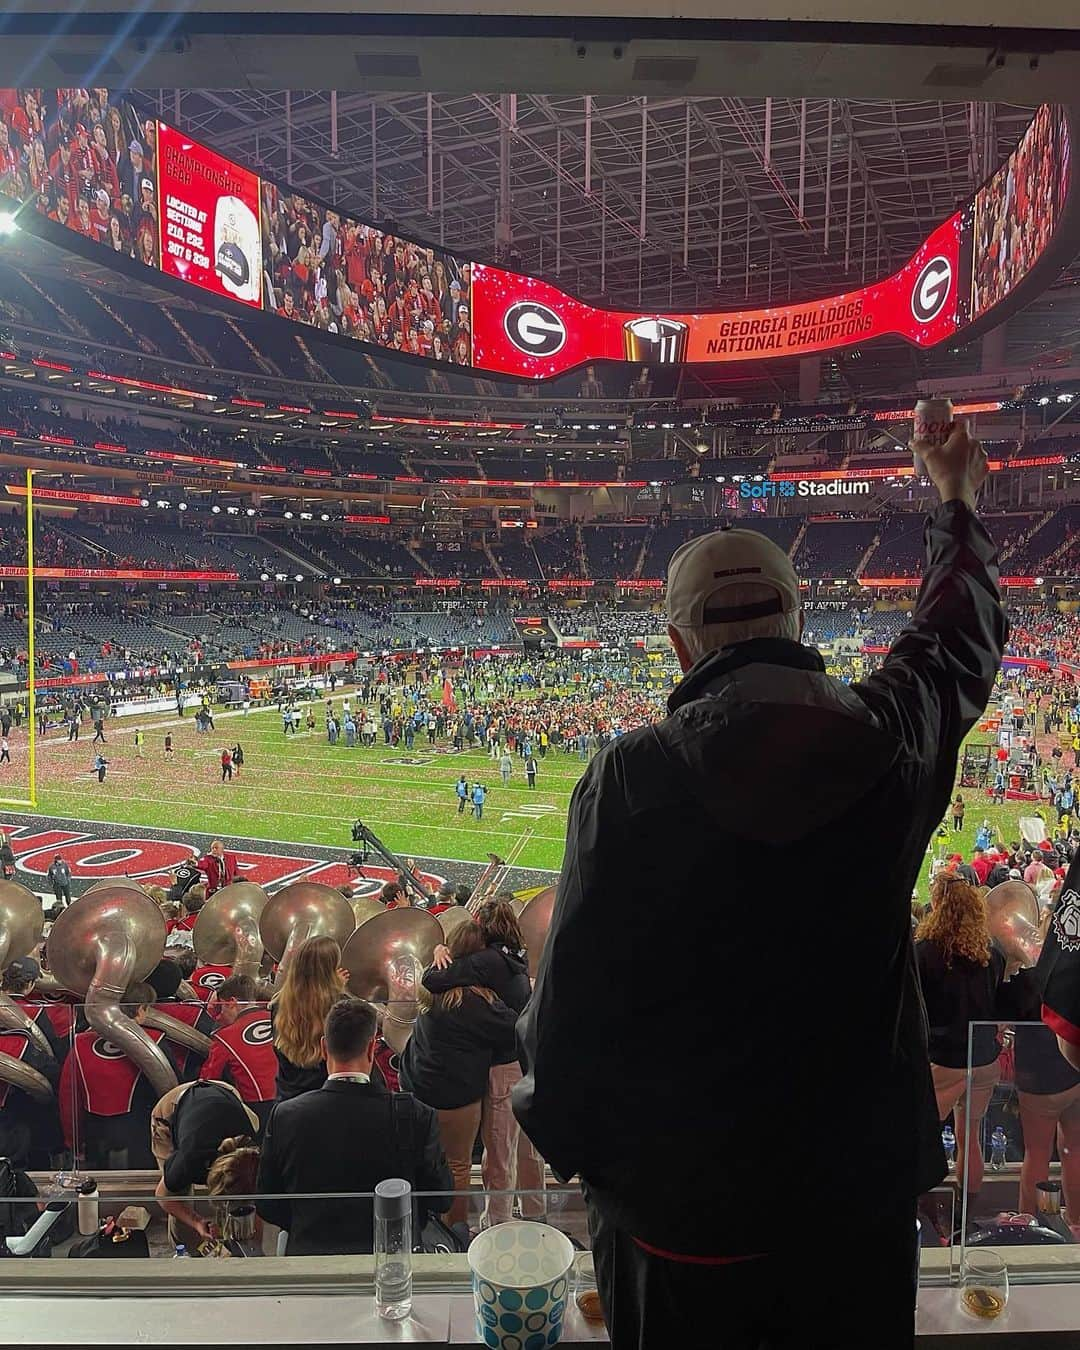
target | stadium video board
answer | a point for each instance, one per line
(88, 161)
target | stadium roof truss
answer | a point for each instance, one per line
(651, 202)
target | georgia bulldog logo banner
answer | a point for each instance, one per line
(1066, 922)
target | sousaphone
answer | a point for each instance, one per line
(386, 958)
(21, 926)
(534, 922)
(226, 932)
(98, 946)
(1013, 918)
(306, 909)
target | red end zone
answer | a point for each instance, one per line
(121, 851)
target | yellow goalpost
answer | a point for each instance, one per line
(31, 706)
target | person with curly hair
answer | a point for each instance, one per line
(961, 972)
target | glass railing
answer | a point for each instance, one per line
(1011, 1125)
(96, 1178)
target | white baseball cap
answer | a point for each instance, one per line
(702, 569)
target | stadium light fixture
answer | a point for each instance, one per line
(299, 576)
(288, 515)
(250, 511)
(324, 516)
(181, 506)
(264, 576)
(337, 581)
(9, 223)
(216, 509)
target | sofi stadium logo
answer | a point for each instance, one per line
(806, 487)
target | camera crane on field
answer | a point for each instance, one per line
(370, 843)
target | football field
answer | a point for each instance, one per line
(299, 789)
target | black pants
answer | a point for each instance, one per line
(226, 772)
(98, 736)
(796, 1299)
(5, 757)
(62, 893)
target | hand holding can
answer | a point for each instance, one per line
(933, 425)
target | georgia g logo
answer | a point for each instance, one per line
(1067, 922)
(534, 329)
(257, 1033)
(106, 1050)
(932, 288)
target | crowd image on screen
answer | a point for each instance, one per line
(325, 269)
(86, 161)
(1017, 211)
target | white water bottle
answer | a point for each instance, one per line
(89, 1219)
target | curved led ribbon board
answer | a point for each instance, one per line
(93, 174)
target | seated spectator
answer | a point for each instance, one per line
(346, 1137)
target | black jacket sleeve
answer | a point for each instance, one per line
(937, 678)
(270, 1181)
(464, 971)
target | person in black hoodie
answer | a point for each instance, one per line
(634, 1020)
(447, 1061)
(510, 1160)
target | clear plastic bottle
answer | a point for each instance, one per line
(181, 1253)
(948, 1141)
(999, 1141)
(393, 1249)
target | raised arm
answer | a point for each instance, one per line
(938, 676)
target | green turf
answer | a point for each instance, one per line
(301, 789)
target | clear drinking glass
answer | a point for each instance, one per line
(586, 1295)
(984, 1284)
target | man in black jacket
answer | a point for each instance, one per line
(346, 1136)
(677, 1059)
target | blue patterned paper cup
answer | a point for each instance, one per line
(521, 1282)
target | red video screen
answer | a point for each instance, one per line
(209, 214)
(89, 161)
